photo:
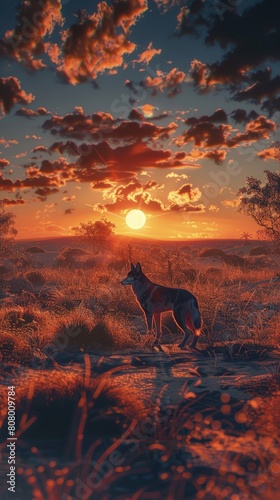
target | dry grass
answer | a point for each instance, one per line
(236, 305)
(77, 317)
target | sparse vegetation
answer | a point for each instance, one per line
(262, 203)
(96, 234)
(88, 378)
(7, 230)
(35, 250)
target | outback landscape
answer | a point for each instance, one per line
(139, 152)
(99, 411)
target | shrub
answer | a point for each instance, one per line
(36, 278)
(4, 271)
(234, 260)
(35, 250)
(61, 402)
(19, 285)
(14, 349)
(70, 257)
(212, 252)
(259, 251)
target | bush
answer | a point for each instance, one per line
(70, 257)
(234, 260)
(4, 271)
(35, 250)
(61, 401)
(19, 285)
(213, 252)
(14, 349)
(259, 251)
(36, 278)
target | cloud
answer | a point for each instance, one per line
(68, 198)
(35, 20)
(147, 55)
(30, 113)
(184, 194)
(122, 163)
(42, 182)
(99, 41)
(189, 18)
(170, 82)
(207, 135)
(219, 116)
(10, 203)
(240, 68)
(165, 5)
(231, 203)
(255, 130)
(241, 115)
(4, 163)
(271, 153)
(69, 211)
(41, 149)
(101, 126)
(257, 91)
(11, 93)
(148, 113)
(135, 195)
(178, 177)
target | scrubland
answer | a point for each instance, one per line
(99, 412)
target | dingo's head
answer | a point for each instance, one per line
(133, 275)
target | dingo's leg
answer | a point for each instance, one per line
(149, 322)
(157, 320)
(180, 318)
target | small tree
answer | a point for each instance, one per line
(262, 202)
(95, 233)
(246, 237)
(7, 230)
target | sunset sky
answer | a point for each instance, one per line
(163, 106)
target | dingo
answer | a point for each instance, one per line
(155, 299)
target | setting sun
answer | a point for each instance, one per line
(135, 219)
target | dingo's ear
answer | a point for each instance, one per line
(132, 266)
(138, 267)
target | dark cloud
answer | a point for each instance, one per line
(205, 134)
(271, 106)
(11, 93)
(190, 18)
(102, 126)
(69, 211)
(252, 37)
(30, 113)
(136, 115)
(219, 116)
(256, 92)
(241, 116)
(10, 203)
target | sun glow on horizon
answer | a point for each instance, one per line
(135, 219)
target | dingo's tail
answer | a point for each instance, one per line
(196, 319)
